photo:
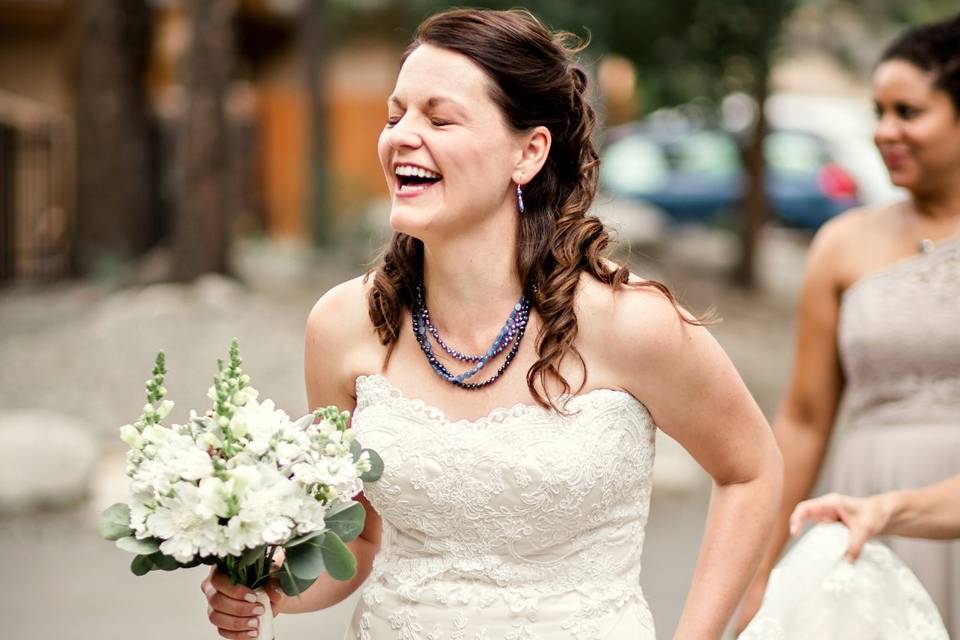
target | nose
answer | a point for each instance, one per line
(404, 134)
(887, 129)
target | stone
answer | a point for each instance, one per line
(47, 460)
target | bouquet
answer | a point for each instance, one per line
(233, 486)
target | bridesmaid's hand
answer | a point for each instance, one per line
(233, 608)
(865, 517)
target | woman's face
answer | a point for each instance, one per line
(918, 129)
(447, 153)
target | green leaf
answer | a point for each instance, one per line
(115, 522)
(141, 565)
(292, 585)
(355, 449)
(301, 539)
(136, 545)
(252, 555)
(340, 563)
(164, 562)
(347, 523)
(305, 561)
(376, 467)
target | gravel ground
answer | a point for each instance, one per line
(84, 349)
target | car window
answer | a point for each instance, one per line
(705, 152)
(633, 165)
(794, 152)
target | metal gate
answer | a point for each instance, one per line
(37, 176)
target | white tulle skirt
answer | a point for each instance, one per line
(816, 594)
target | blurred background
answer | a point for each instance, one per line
(175, 173)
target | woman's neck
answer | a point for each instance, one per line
(939, 208)
(471, 282)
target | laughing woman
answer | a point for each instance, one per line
(512, 378)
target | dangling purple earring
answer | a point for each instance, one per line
(520, 198)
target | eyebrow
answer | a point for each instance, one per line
(432, 102)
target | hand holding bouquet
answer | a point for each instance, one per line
(233, 486)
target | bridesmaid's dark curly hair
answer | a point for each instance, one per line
(535, 81)
(934, 48)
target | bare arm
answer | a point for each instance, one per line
(805, 420)
(330, 382)
(696, 396)
(931, 512)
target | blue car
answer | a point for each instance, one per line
(698, 176)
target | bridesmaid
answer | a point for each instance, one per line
(879, 322)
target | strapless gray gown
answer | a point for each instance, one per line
(899, 341)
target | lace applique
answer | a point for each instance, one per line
(489, 522)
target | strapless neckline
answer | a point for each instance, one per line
(367, 386)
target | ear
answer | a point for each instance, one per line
(534, 149)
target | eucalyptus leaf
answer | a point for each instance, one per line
(292, 585)
(301, 539)
(115, 522)
(339, 561)
(347, 523)
(164, 562)
(376, 467)
(355, 449)
(306, 560)
(136, 545)
(252, 555)
(141, 565)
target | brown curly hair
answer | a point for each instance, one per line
(535, 81)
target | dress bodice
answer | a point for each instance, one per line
(899, 340)
(522, 510)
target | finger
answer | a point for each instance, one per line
(825, 509)
(229, 606)
(236, 591)
(858, 538)
(238, 635)
(235, 624)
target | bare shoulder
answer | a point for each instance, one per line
(340, 339)
(341, 311)
(843, 246)
(626, 325)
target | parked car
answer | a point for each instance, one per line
(698, 176)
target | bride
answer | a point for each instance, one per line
(512, 378)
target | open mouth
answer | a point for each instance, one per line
(412, 179)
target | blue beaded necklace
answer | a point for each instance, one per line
(510, 335)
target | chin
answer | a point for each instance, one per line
(408, 220)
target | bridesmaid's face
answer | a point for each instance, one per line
(918, 128)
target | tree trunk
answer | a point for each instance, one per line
(755, 206)
(114, 208)
(202, 156)
(312, 43)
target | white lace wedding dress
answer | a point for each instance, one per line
(815, 594)
(524, 524)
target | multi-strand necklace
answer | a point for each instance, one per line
(510, 336)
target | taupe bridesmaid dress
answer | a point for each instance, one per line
(899, 341)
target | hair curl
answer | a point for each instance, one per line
(535, 81)
(934, 48)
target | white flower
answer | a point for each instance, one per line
(261, 423)
(183, 458)
(186, 526)
(164, 409)
(131, 435)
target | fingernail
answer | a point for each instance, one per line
(253, 622)
(253, 634)
(209, 590)
(209, 610)
(258, 610)
(249, 597)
